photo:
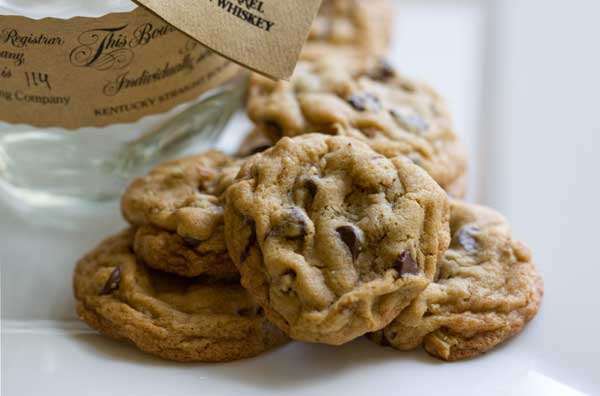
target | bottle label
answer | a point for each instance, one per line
(93, 72)
(263, 35)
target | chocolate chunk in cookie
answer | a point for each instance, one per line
(465, 238)
(364, 102)
(383, 71)
(406, 265)
(352, 237)
(112, 283)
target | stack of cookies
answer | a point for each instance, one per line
(339, 217)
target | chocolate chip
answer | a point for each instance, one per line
(364, 102)
(311, 186)
(405, 264)
(408, 87)
(465, 238)
(350, 235)
(411, 122)
(293, 224)
(304, 192)
(251, 241)
(299, 225)
(191, 242)
(357, 102)
(112, 283)
(384, 71)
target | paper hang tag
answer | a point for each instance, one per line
(263, 35)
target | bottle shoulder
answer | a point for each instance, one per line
(64, 8)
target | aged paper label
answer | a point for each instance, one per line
(264, 35)
(98, 71)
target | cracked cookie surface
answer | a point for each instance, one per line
(367, 100)
(178, 208)
(357, 25)
(183, 319)
(487, 289)
(331, 238)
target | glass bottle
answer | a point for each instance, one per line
(53, 164)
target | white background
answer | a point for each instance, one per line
(522, 79)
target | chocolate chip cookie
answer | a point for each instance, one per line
(487, 289)
(360, 25)
(367, 100)
(178, 208)
(331, 238)
(183, 319)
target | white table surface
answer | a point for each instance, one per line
(44, 350)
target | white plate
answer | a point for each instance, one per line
(62, 357)
(45, 351)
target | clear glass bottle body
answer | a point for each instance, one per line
(53, 165)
